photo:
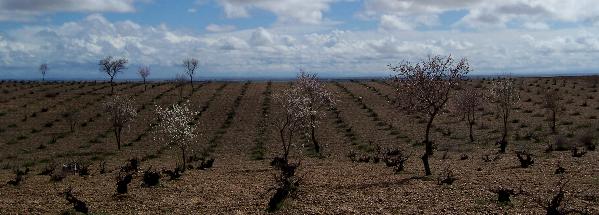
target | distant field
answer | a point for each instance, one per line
(235, 130)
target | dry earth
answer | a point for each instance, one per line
(235, 126)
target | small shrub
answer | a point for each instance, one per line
(587, 140)
(286, 184)
(503, 194)
(352, 155)
(395, 158)
(18, 176)
(446, 177)
(549, 148)
(578, 153)
(151, 177)
(491, 158)
(78, 205)
(103, 167)
(131, 166)
(76, 167)
(58, 176)
(83, 169)
(206, 164)
(122, 182)
(560, 169)
(174, 174)
(22, 137)
(561, 143)
(525, 158)
(48, 169)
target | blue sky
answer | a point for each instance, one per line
(273, 38)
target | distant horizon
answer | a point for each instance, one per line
(325, 77)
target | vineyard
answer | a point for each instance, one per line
(47, 125)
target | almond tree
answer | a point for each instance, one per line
(424, 88)
(291, 122)
(467, 102)
(44, 69)
(552, 102)
(144, 72)
(176, 127)
(318, 99)
(112, 67)
(504, 94)
(121, 111)
(190, 65)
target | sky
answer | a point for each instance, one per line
(274, 38)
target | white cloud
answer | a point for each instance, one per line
(302, 11)
(22, 10)
(261, 37)
(536, 26)
(392, 22)
(284, 49)
(231, 43)
(220, 28)
(530, 14)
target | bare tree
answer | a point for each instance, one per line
(44, 69)
(318, 99)
(504, 94)
(176, 127)
(112, 67)
(144, 72)
(552, 102)
(424, 88)
(121, 111)
(467, 102)
(180, 81)
(190, 65)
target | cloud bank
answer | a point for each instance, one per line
(498, 37)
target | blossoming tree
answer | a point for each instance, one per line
(317, 100)
(291, 121)
(121, 112)
(176, 127)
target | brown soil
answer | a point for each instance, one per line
(34, 133)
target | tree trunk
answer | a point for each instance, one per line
(314, 141)
(504, 136)
(471, 136)
(553, 123)
(427, 142)
(111, 86)
(117, 134)
(427, 168)
(145, 86)
(181, 92)
(503, 142)
(184, 158)
(428, 146)
(191, 84)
